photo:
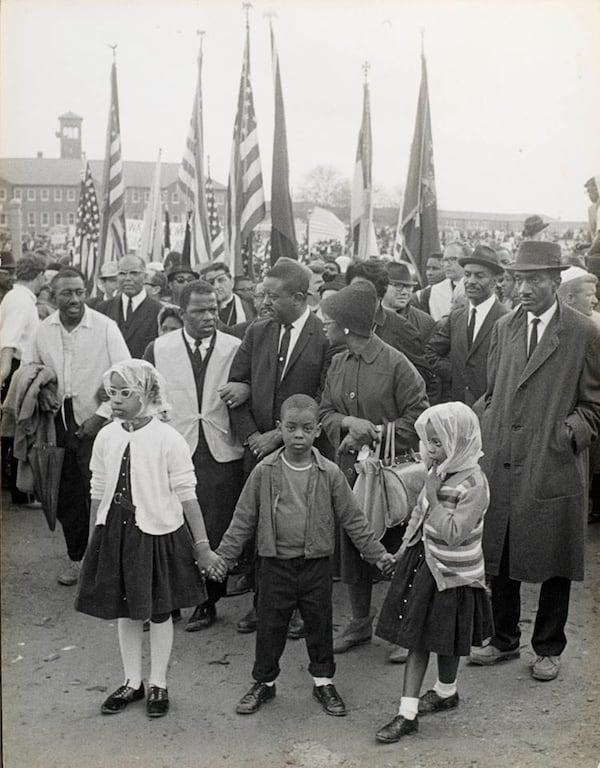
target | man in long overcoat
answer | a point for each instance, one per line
(542, 412)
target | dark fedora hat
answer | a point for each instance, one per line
(484, 255)
(536, 255)
(400, 272)
(532, 225)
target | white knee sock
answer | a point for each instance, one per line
(444, 690)
(409, 707)
(161, 642)
(130, 642)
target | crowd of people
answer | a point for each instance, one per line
(214, 427)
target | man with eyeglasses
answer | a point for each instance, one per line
(397, 298)
(232, 308)
(449, 292)
(78, 344)
(178, 276)
(132, 309)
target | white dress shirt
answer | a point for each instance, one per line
(135, 301)
(482, 312)
(544, 319)
(203, 346)
(297, 327)
(18, 319)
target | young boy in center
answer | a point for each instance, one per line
(291, 500)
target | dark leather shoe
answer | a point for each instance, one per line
(119, 699)
(247, 623)
(330, 700)
(433, 702)
(396, 729)
(239, 585)
(157, 703)
(204, 616)
(296, 627)
(258, 694)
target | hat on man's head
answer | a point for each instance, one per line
(109, 269)
(535, 255)
(400, 272)
(574, 273)
(353, 308)
(6, 260)
(532, 225)
(485, 256)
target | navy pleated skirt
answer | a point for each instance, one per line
(417, 616)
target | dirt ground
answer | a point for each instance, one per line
(57, 667)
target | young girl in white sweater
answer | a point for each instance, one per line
(141, 561)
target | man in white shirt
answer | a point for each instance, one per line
(449, 292)
(542, 412)
(232, 308)
(458, 348)
(18, 321)
(79, 345)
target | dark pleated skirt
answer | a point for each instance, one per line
(127, 573)
(417, 616)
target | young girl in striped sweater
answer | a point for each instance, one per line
(437, 601)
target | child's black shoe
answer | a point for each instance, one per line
(396, 729)
(157, 704)
(119, 699)
(433, 702)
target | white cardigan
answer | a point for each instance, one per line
(162, 474)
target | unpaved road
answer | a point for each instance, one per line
(58, 666)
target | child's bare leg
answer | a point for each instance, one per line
(414, 672)
(130, 643)
(448, 668)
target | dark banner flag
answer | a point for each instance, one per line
(283, 235)
(361, 205)
(418, 221)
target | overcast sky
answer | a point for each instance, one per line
(513, 87)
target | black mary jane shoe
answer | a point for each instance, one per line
(119, 699)
(157, 703)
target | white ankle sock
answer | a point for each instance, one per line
(271, 684)
(318, 681)
(409, 707)
(444, 690)
(161, 642)
(130, 643)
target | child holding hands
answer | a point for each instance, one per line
(291, 500)
(141, 561)
(437, 601)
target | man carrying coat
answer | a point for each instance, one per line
(542, 410)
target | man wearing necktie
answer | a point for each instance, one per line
(542, 411)
(458, 348)
(282, 355)
(195, 363)
(133, 310)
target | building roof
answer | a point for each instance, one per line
(64, 172)
(70, 116)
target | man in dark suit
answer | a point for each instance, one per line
(283, 355)
(132, 309)
(458, 348)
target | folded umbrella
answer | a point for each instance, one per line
(46, 461)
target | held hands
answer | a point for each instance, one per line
(387, 564)
(262, 445)
(234, 393)
(209, 563)
(90, 427)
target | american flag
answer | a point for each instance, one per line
(88, 227)
(245, 194)
(216, 231)
(114, 237)
(191, 179)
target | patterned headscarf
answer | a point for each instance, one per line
(457, 428)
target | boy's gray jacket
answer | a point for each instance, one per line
(329, 496)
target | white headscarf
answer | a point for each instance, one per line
(457, 427)
(147, 382)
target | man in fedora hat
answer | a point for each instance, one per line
(542, 411)
(458, 348)
(532, 226)
(397, 297)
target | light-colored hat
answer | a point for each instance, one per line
(109, 269)
(573, 273)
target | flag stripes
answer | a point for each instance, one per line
(88, 227)
(216, 231)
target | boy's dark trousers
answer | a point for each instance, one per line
(282, 586)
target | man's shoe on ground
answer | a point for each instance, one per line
(296, 627)
(119, 699)
(70, 576)
(204, 616)
(247, 623)
(255, 698)
(398, 655)
(489, 655)
(396, 729)
(330, 700)
(545, 668)
(239, 584)
(357, 632)
(433, 702)
(157, 703)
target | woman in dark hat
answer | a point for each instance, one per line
(368, 385)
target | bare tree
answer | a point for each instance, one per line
(325, 185)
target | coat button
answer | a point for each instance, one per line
(352, 395)
(516, 427)
(506, 465)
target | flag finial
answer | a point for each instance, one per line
(246, 7)
(200, 35)
(114, 50)
(365, 68)
(270, 15)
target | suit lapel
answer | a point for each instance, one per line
(486, 328)
(299, 346)
(461, 340)
(548, 343)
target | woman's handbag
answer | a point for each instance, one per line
(387, 486)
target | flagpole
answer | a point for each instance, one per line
(423, 123)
